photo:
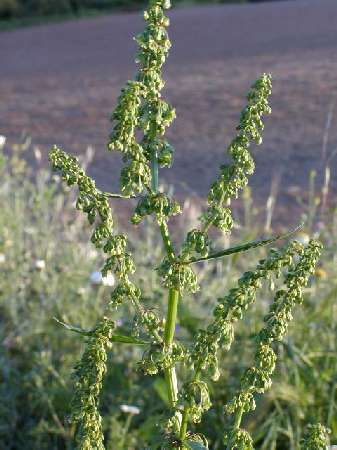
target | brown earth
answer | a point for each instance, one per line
(60, 82)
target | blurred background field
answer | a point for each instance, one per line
(49, 270)
(23, 9)
(60, 83)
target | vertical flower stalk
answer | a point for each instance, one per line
(88, 375)
(257, 379)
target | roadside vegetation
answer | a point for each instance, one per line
(17, 13)
(49, 269)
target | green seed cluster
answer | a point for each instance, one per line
(156, 114)
(124, 291)
(233, 177)
(136, 174)
(140, 107)
(220, 333)
(158, 357)
(90, 200)
(178, 276)
(196, 397)
(126, 119)
(88, 374)
(317, 438)
(158, 204)
(196, 242)
(95, 204)
(238, 439)
(231, 307)
(257, 379)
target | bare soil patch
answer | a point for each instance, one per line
(60, 82)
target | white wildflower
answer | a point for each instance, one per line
(96, 279)
(37, 154)
(2, 258)
(2, 141)
(40, 264)
(108, 280)
(130, 409)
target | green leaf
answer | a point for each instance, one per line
(193, 445)
(127, 339)
(114, 338)
(75, 329)
(247, 246)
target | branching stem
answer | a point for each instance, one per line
(173, 296)
(184, 423)
(171, 317)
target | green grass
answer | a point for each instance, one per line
(24, 22)
(31, 18)
(46, 263)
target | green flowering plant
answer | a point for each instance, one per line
(139, 123)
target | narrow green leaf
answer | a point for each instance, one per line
(244, 247)
(74, 329)
(114, 338)
(127, 339)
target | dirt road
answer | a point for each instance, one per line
(60, 82)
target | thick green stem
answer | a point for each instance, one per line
(171, 317)
(166, 239)
(183, 426)
(238, 418)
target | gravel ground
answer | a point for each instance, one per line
(60, 82)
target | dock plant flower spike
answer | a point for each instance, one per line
(139, 123)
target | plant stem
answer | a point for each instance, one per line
(166, 239)
(238, 418)
(185, 416)
(154, 172)
(183, 426)
(173, 297)
(171, 317)
(237, 423)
